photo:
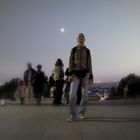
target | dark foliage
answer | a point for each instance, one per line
(8, 89)
(132, 82)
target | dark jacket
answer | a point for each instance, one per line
(26, 75)
(51, 81)
(38, 82)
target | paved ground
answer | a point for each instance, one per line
(112, 120)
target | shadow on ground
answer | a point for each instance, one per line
(113, 119)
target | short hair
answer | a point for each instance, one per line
(39, 66)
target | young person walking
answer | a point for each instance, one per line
(80, 69)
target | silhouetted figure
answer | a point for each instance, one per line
(38, 82)
(28, 75)
(59, 81)
(21, 92)
(46, 88)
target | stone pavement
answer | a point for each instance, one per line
(109, 120)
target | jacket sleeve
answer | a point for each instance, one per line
(71, 63)
(90, 65)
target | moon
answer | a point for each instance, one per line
(62, 30)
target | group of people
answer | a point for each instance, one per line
(34, 83)
(78, 77)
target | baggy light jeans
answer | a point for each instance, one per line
(73, 94)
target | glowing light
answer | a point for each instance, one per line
(62, 30)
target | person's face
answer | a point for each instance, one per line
(29, 66)
(80, 39)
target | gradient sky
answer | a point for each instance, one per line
(30, 32)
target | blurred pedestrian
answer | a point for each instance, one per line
(21, 92)
(59, 81)
(38, 82)
(28, 75)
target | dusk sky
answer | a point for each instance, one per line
(30, 32)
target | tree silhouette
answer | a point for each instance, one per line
(8, 89)
(132, 82)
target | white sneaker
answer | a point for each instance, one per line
(81, 116)
(71, 118)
